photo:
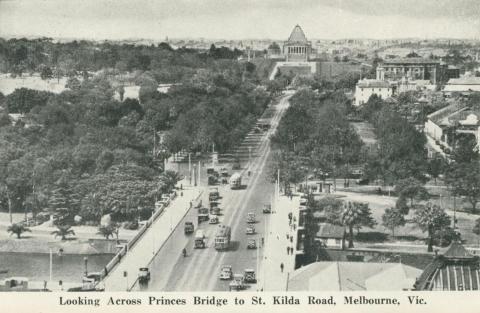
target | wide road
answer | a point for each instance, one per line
(199, 271)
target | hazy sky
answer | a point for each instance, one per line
(238, 19)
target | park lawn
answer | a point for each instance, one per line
(410, 232)
(365, 131)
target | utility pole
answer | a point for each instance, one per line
(190, 168)
(278, 183)
(51, 264)
(199, 171)
(154, 144)
(195, 175)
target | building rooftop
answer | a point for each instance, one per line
(465, 80)
(466, 117)
(400, 61)
(438, 116)
(456, 269)
(373, 83)
(327, 230)
(348, 276)
(297, 35)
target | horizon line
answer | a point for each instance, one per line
(68, 38)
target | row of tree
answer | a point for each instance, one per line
(81, 152)
(314, 136)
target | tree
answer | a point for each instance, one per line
(393, 218)
(401, 205)
(107, 231)
(466, 150)
(73, 83)
(464, 179)
(412, 189)
(436, 167)
(22, 100)
(63, 199)
(413, 54)
(476, 228)
(431, 218)
(46, 72)
(169, 179)
(291, 167)
(63, 231)
(17, 229)
(443, 237)
(4, 119)
(356, 215)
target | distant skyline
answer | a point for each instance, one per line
(234, 19)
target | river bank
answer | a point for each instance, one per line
(66, 247)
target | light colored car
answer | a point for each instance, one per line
(213, 219)
(252, 244)
(251, 217)
(250, 230)
(226, 272)
(237, 282)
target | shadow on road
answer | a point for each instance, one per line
(234, 245)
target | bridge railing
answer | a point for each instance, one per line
(129, 245)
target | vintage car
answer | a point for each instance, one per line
(251, 217)
(250, 230)
(189, 228)
(267, 208)
(251, 244)
(224, 172)
(143, 275)
(226, 272)
(237, 283)
(249, 276)
(213, 194)
(213, 219)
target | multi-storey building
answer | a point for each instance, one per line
(412, 68)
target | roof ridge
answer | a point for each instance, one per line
(297, 35)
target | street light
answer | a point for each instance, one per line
(85, 259)
(249, 155)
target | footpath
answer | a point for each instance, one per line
(124, 274)
(280, 245)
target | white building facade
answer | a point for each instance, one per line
(368, 87)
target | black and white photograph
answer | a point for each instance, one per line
(239, 147)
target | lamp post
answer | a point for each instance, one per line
(190, 167)
(51, 264)
(195, 175)
(249, 155)
(85, 260)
